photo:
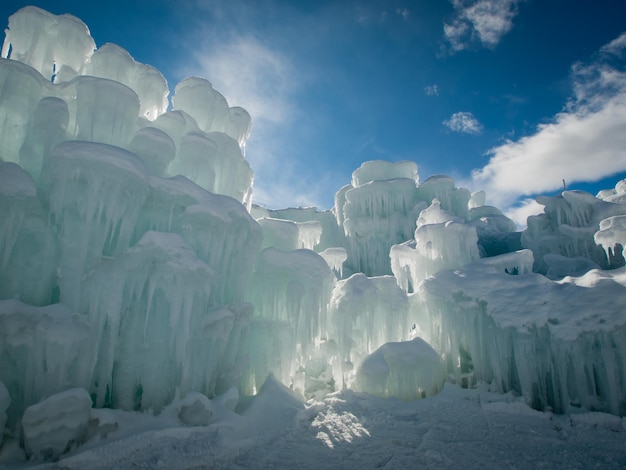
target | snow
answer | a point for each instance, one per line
(151, 315)
(55, 425)
(612, 233)
(43, 351)
(407, 370)
(382, 170)
(455, 428)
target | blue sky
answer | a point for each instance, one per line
(509, 96)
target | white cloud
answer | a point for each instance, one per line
(250, 74)
(520, 213)
(431, 90)
(486, 21)
(463, 122)
(584, 142)
(403, 12)
(616, 46)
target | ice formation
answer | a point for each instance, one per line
(134, 266)
(562, 348)
(567, 228)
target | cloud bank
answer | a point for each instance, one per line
(585, 142)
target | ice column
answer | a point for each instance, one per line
(154, 147)
(101, 110)
(47, 127)
(376, 216)
(21, 88)
(207, 106)
(94, 193)
(290, 292)
(48, 42)
(115, 63)
(365, 312)
(218, 228)
(441, 241)
(150, 310)
(28, 249)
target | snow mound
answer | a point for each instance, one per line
(406, 370)
(56, 425)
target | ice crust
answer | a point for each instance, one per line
(133, 264)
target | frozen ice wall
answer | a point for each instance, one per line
(567, 229)
(562, 346)
(57, 86)
(118, 273)
(291, 292)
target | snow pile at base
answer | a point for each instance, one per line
(43, 351)
(52, 427)
(407, 370)
(457, 428)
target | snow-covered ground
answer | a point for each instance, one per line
(458, 428)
